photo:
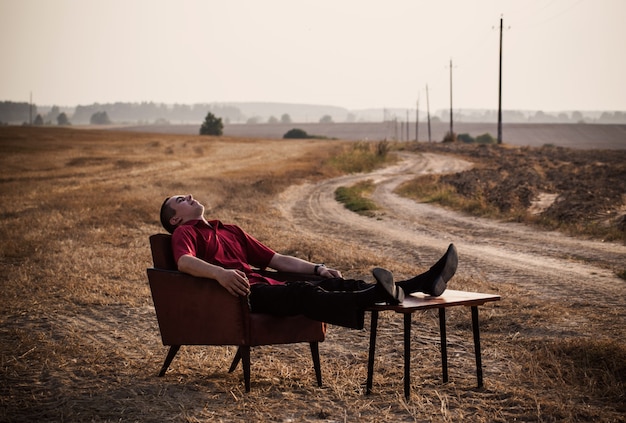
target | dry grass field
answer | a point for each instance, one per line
(79, 339)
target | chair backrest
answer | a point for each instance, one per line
(190, 310)
(162, 254)
(197, 311)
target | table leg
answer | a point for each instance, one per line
(372, 351)
(479, 365)
(407, 355)
(444, 344)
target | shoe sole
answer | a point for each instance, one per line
(385, 279)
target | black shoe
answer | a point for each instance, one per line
(443, 271)
(393, 294)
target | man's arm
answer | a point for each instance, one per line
(235, 281)
(284, 263)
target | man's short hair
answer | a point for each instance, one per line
(167, 213)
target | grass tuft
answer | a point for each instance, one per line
(430, 189)
(362, 157)
(355, 198)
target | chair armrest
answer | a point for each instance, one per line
(288, 276)
(197, 311)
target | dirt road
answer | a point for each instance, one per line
(543, 263)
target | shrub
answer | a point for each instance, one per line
(363, 157)
(296, 133)
(485, 139)
(450, 137)
(466, 138)
(382, 148)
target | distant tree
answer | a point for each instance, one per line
(161, 121)
(212, 125)
(542, 117)
(326, 119)
(38, 120)
(16, 112)
(52, 114)
(253, 120)
(285, 118)
(272, 119)
(100, 118)
(578, 117)
(611, 117)
(62, 119)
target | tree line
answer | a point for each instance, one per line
(146, 112)
(159, 113)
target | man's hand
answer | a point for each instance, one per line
(235, 281)
(327, 272)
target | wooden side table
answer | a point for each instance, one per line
(415, 302)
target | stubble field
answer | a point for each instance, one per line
(79, 339)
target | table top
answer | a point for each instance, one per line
(450, 298)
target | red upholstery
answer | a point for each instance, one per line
(199, 311)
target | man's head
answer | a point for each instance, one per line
(179, 209)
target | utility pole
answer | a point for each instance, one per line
(428, 113)
(30, 109)
(395, 128)
(451, 120)
(407, 124)
(500, 90)
(417, 118)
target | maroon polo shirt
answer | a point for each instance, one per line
(223, 245)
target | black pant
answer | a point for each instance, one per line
(336, 301)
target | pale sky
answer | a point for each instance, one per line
(557, 54)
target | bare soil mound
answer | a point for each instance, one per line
(583, 186)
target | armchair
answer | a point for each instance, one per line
(199, 311)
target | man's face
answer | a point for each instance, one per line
(186, 209)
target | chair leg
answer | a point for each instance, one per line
(168, 360)
(315, 353)
(236, 361)
(245, 358)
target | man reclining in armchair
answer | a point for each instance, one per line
(227, 254)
